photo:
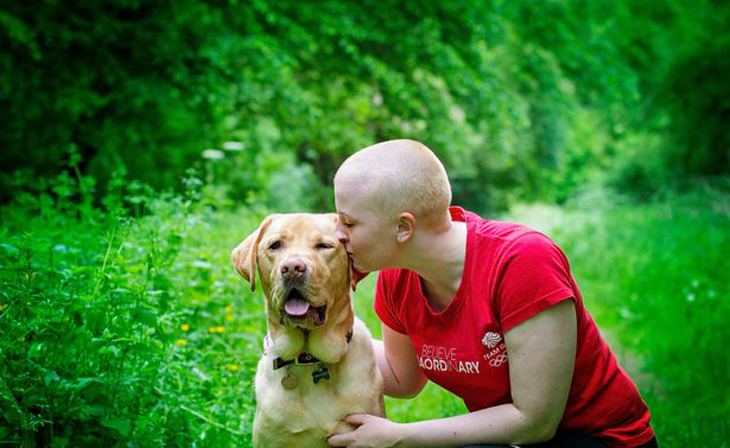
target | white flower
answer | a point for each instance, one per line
(213, 154)
(233, 146)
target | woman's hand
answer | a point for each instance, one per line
(371, 432)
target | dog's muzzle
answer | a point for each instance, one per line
(299, 311)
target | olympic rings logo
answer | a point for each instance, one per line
(498, 360)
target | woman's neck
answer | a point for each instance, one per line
(438, 258)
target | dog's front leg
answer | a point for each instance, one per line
(287, 343)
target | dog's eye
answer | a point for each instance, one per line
(324, 246)
(275, 245)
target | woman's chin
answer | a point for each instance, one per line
(358, 267)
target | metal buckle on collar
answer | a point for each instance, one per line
(305, 359)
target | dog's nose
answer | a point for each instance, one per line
(293, 267)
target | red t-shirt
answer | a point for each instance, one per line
(511, 273)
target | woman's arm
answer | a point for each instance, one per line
(541, 357)
(402, 378)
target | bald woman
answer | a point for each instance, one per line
(488, 310)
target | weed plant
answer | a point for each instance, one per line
(124, 325)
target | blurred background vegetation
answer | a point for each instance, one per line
(142, 139)
(522, 100)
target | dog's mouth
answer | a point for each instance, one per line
(298, 309)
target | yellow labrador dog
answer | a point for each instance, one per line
(318, 364)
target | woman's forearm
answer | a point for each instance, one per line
(393, 385)
(503, 424)
(390, 382)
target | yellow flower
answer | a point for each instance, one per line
(229, 317)
(229, 308)
(212, 329)
(185, 327)
(233, 367)
(181, 342)
(221, 329)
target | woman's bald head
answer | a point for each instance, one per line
(399, 176)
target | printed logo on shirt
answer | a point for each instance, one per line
(491, 339)
(443, 359)
(497, 354)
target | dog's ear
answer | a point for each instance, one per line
(355, 275)
(245, 256)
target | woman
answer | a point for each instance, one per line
(486, 309)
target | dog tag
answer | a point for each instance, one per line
(289, 381)
(322, 373)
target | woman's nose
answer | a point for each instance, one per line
(340, 234)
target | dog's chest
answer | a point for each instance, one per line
(308, 412)
(296, 408)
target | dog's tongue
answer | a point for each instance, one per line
(296, 306)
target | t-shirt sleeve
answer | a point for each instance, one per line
(534, 275)
(384, 306)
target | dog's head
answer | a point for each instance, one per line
(304, 270)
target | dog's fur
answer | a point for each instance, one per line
(304, 416)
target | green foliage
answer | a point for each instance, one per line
(696, 96)
(118, 329)
(129, 83)
(260, 172)
(521, 100)
(653, 277)
(109, 103)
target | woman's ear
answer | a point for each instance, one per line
(406, 227)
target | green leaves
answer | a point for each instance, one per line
(497, 89)
(124, 321)
(121, 425)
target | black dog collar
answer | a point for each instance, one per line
(306, 359)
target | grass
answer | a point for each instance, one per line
(127, 326)
(654, 277)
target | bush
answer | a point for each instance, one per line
(118, 328)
